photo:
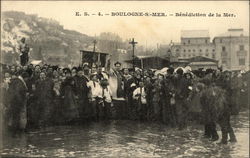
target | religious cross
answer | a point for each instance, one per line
(94, 44)
(133, 43)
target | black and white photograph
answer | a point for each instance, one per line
(124, 79)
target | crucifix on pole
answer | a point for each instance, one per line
(133, 43)
(94, 45)
(98, 55)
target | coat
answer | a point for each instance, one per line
(17, 103)
(213, 103)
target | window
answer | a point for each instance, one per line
(241, 47)
(177, 50)
(206, 50)
(188, 41)
(213, 56)
(224, 54)
(200, 50)
(206, 54)
(213, 50)
(220, 40)
(184, 50)
(223, 48)
(189, 50)
(205, 41)
(242, 61)
(193, 50)
(189, 55)
(224, 61)
(184, 43)
(184, 55)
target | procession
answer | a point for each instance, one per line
(37, 96)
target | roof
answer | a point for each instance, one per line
(233, 33)
(202, 63)
(147, 57)
(194, 34)
(93, 52)
(143, 56)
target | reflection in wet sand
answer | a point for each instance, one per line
(126, 139)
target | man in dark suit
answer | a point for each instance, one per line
(118, 74)
(45, 95)
(181, 95)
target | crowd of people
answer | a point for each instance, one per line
(36, 96)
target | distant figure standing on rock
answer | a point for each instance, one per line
(24, 50)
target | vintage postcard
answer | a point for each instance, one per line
(124, 79)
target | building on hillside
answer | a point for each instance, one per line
(233, 49)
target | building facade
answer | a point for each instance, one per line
(230, 49)
(195, 43)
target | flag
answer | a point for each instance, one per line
(87, 56)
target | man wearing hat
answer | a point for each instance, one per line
(181, 95)
(168, 109)
(82, 91)
(44, 92)
(118, 74)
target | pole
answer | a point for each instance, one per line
(133, 43)
(81, 62)
(133, 56)
(98, 57)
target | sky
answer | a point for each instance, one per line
(147, 31)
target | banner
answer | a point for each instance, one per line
(92, 57)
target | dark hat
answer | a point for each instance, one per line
(170, 70)
(74, 68)
(54, 67)
(117, 63)
(66, 70)
(79, 69)
(208, 71)
(179, 71)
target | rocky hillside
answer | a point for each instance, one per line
(45, 37)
